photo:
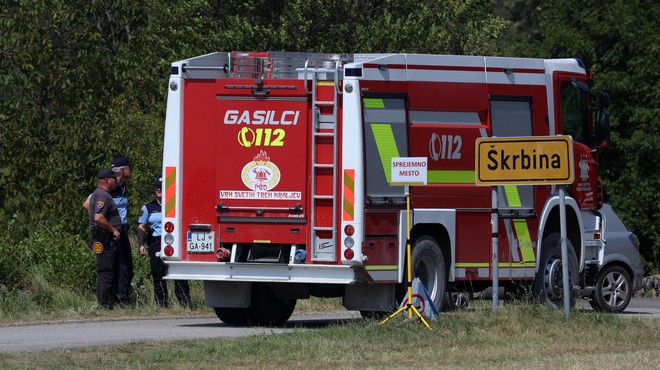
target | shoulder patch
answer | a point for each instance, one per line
(100, 204)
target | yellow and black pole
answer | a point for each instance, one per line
(410, 307)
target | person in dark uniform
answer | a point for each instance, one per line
(150, 228)
(105, 225)
(122, 285)
(123, 167)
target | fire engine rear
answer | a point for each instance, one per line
(277, 178)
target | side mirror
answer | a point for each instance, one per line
(602, 128)
(581, 86)
(603, 100)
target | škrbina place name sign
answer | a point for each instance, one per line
(524, 160)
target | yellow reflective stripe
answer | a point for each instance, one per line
(349, 195)
(517, 264)
(170, 191)
(379, 268)
(500, 264)
(470, 264)
(512, 195)
(374, 103)
(450, 177)
(524, 239)
(522, 230)
(386, 146)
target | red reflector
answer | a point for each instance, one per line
(169, 250)
(597, 236)
(169, 227)
(349, 230)
(349, 254)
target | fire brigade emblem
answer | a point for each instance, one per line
(261, 174)
(99, 204)
(584, 170)
(97, 247)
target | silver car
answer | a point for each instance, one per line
(622, 271)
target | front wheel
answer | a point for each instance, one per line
(456, 301)
(428, 264)
(548, 284)
(613, 290)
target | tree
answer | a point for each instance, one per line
(619, 41)
(85, 80)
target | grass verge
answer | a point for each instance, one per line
(514, 337)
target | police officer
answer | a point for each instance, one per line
(150, 224)
(122, 285)
(123, 167)
(105, 225)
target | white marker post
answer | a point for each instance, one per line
(564, 253)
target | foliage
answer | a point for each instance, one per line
(58, 257)
(618, 40)
(84, 81)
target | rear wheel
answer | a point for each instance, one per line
(613, 290)
(428, 265)
(267, 309)
(548, 284)
(232, 315)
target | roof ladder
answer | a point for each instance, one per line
(324, 159)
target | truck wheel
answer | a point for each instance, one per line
(267, 309)
(428, 265)
(232, 316)
(613, 290)
(548, 284)
(456, 301)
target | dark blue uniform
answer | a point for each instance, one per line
(124, 256)
(102, 243)
(151, 215)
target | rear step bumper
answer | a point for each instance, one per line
(222, 271)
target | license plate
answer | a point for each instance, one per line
(200, 241)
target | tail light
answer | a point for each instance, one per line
(169, 227)
(349, 254)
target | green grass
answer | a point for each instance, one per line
(514, 337)
(45, 301)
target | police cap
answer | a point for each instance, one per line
(106, 173)
(121, 162)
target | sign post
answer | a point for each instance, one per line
(409, 171)
(538, 160)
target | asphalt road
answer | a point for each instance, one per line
(64, 335)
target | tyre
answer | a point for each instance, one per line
(233, 316)
(267, 309)
(548, 284)
(456, 301)
(613, 290)
(428, 265)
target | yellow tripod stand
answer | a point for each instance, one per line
(409, 306)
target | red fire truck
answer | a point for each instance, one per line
(277, 169)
